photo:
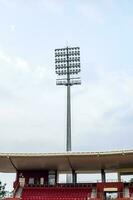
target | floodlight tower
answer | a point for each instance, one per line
(67, 66)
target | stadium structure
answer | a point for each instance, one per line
(37, 175)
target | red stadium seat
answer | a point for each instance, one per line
(56, 193)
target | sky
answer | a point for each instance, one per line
(33, 108)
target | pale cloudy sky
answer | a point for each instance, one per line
(33, 108)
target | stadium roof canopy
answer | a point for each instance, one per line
(78, 161)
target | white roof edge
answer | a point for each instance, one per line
(66, 153)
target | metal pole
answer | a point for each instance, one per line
(68, 145)
(67, 63)
(68, 119)
(68, 139)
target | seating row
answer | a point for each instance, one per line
(57, 198)
(56, 194)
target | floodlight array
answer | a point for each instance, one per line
(67, 51)
(67, 61)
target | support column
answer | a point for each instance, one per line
(56, 176)
(74, 177)
(103, 175)
(119, 176)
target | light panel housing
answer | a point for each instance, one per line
(67, 64)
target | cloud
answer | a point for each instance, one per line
(17, 69)
(21, 64)
(5, 58)
(105, 111)
(33, 106)
(27, 105)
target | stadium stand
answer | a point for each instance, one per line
(37, 175)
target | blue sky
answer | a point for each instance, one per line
(33, 108)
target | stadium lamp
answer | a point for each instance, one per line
(67, 66)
